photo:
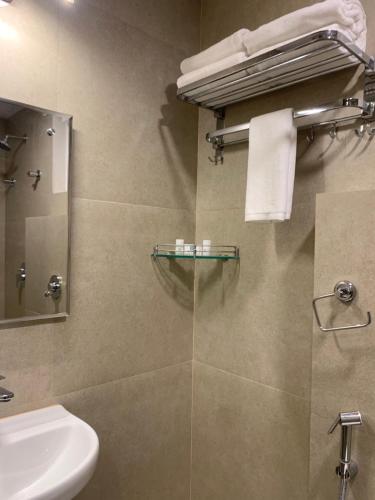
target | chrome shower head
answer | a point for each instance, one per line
(4, 143)
(4, 146)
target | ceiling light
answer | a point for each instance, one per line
(5, 3)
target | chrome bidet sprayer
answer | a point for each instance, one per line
(347, 468)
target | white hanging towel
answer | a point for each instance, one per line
(271, 167)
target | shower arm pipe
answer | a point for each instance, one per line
(19, 137)
(366, 112)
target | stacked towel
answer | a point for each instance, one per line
(271, 167)
(227, 47)
(346, 16)
(211, 69)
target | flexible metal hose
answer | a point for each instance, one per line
(343, 488)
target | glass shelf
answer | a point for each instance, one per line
(194, 252)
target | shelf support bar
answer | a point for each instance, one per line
(218, 142)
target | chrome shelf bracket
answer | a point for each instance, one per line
(345, 292)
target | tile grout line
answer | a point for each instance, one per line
(122, 378)
(253, 381)
(132, 205)
(191, 428)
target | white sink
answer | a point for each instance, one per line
(47, 454)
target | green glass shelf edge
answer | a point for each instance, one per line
(196, 257)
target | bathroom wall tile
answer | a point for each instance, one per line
(249, 440)
(29, 38)
(143, 424)
(134, 142)
(26, 359)
(165, 20)
(129, 313)
(343, 371)
(345, 235)
(253, 318)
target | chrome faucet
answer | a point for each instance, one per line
(347, 468)
(5, 395)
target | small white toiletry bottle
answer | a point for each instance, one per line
(189, 249)
(180, 246)
(206, 246)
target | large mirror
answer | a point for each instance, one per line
(34, 213)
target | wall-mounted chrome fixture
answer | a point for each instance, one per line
(345, 292)
(11, 182)
(51, 132)
(54, 287)
(5, 395)
(21, 276)
(347, 468)
(36, 174)
(4, 143)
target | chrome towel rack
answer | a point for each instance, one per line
(310, 56)
(365, 112)
(345, 292)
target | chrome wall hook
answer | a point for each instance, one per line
(218, 146)
(36, 174)
(345, 292)
(333, 131)
(360, 131)
(311, 136)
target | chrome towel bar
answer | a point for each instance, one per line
(366, 112)
(345, 292)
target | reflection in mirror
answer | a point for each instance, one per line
(34, 211)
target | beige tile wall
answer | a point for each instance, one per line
(253, 321)
(112, 65)
(2, 227)
(343, 368)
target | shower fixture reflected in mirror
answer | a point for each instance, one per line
(34, 211)
(11, 182)
(4, 143)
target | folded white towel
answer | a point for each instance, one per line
(271, 167)
(230, 45)
(211, 69)
(348, 16)
(360, 42)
